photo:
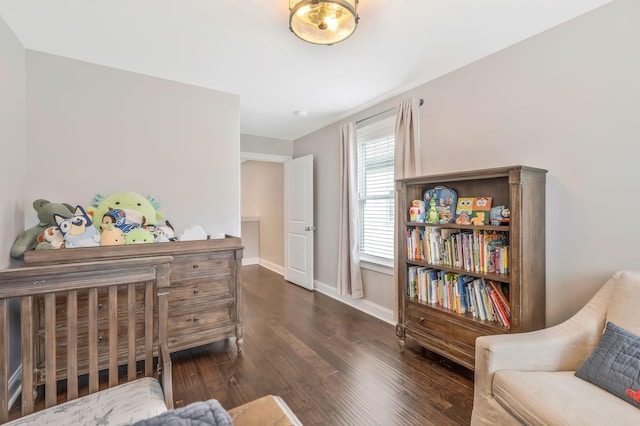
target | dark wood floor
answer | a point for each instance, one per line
(332, 364)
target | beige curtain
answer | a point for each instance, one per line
(407, 163)
(408, 153)
(349, 275)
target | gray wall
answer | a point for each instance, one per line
(94, 129)
(564, 100)
(263, 196)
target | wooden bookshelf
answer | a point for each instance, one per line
(447, 332)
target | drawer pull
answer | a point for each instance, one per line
(195, 266)
(99, 306)
(196, 320)
(100, 339)
(421, 319)
(196, 291)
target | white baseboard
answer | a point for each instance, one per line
(272, 266)
(363, 305)
(15, 385)
(251, 261)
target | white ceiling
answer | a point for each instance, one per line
(245, 47)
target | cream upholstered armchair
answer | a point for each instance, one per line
(528, 378)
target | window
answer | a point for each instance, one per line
(376, 189)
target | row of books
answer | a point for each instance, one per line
(472, 250)
(484, 299)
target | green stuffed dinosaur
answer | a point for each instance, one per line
(138, 209)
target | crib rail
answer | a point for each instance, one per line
(80, 283)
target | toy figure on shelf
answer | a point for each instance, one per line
(432, 215)
(416, 211)
(499, 215)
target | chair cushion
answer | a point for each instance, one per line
(623, 305)
(559, 398)
(120, 405)
(614, 365)
(200, 413)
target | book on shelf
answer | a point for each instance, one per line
(433, 283)
(412, 281)
(501, 290)
(463, 281)
(502, 316)
(460, 293)
(423, 293)
(478, 251)
(482, 313)
(476, 209)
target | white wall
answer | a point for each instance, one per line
(564, 100)
(94, 129)
(12, 139)
(12, 174)
(251, 144)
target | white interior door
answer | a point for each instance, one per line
(298, 221)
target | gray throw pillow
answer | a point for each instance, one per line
(614, 365)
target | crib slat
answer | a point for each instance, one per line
(163, 274)
(50, 350)
(148, 328)
(93, 340)
(113, 335)
(72, 345)
(4, 362)
(131, 303)
(26, 328)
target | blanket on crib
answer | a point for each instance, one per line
(202, 413)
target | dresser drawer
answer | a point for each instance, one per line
(201, 265)
(196, 292)
(445, 326)
(201, 336)
(186, 322)
(448, 333)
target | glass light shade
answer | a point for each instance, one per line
(323, 22)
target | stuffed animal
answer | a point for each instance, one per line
(45, 209)
(111, 235)
(78, 230)
(192, 234)
(118, 218)
(160, 236)
(137, 209)
(164, 233)
(139, 236)
(50, 238)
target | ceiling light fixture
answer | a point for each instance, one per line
(323, 21)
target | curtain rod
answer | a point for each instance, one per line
(384, 112)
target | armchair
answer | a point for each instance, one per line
(528, 378)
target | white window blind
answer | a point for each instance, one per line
(376, 188)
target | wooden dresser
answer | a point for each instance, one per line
(205, 293)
